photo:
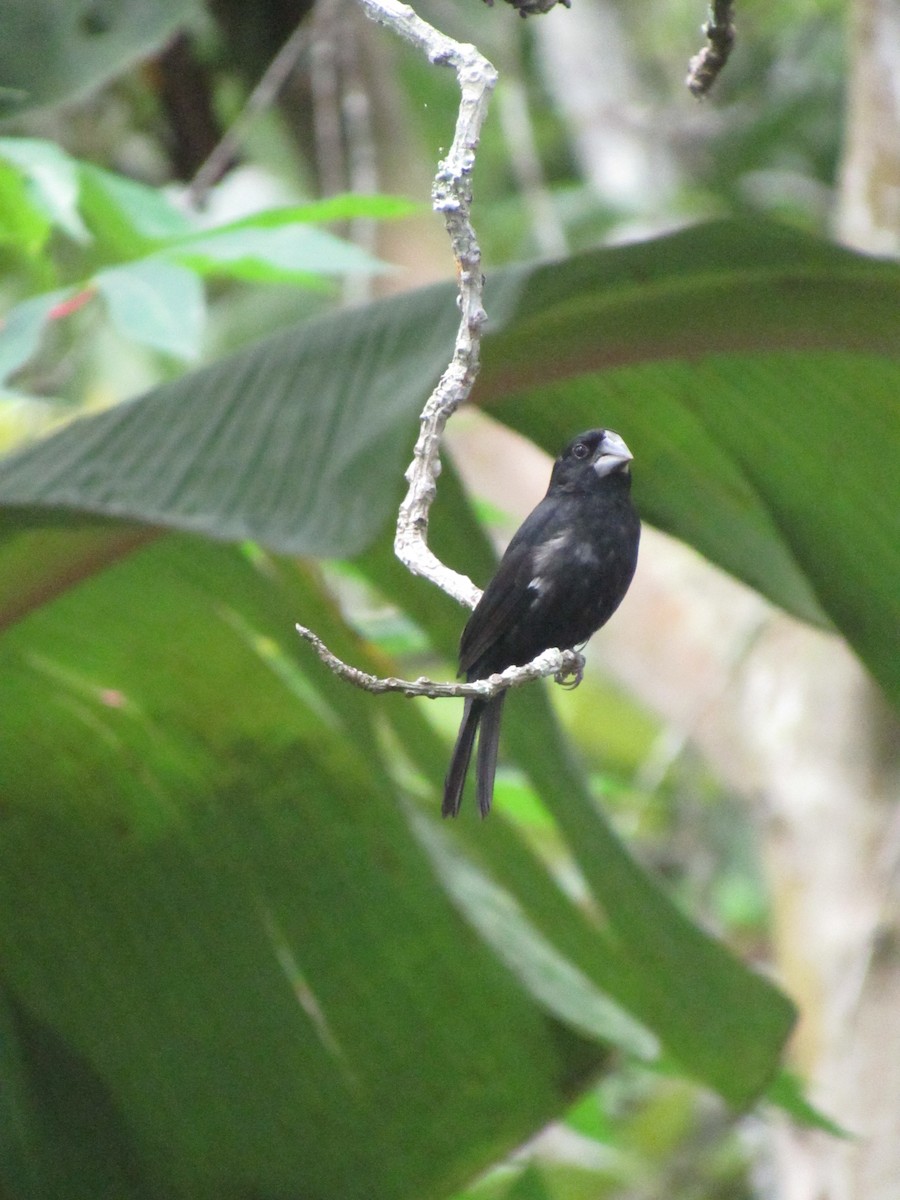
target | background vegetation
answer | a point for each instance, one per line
(241, 956)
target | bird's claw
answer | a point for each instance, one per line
(572, 674)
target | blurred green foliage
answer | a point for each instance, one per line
(240, 957)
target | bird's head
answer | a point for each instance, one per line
(591, 456)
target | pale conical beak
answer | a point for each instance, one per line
(611, 453)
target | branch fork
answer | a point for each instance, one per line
(565, 665)
(451, 196)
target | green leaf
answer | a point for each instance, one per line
(39, 563)
(53, 176)
(23, 225)
(548, 976)
(21, 329)
(274, 245)
(54, 1105)
(786, 1092)
(724, 1024)
(529, 1186)
(346, 207)
(127, 219)
(55, 49)
(156, 303)
(778, 464)
(275, 253)
(330, 409)
(214, 916)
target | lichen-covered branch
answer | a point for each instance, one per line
(452, 196)
(719, 31)
(565, 667)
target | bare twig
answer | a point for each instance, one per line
(271, 83)
(565, 666)
(719, 31)
(362, 160)
(518, 128)
(325, 85)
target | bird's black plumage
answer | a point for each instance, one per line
(563, 575)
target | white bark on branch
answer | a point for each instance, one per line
(452, 196)
(566, 666)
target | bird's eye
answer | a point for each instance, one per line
(580, 450)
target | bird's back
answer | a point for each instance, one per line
(563, 576)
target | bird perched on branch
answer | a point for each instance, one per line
(563, 575)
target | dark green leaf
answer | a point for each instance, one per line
(54, 49)
(529, 1186)
(303, 438)
(548, 976)
(723, 1023)
(214, 916)
(786, 1091)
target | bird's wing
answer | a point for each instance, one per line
(505, 599)
(508, 596)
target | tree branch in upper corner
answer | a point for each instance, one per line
(720, 33)
(451, 195)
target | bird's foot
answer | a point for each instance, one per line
(572, 673)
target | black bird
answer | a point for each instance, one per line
(563, 575)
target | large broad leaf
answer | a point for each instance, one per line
(298, 443)
(778, 464)
(724, 1024)
(54, 49)
(213, 914)
(228, 969)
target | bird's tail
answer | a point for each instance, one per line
(477, 713)
(488, 744)
(462, 753)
